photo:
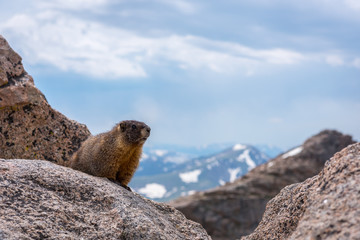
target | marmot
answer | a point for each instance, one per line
(114, 154)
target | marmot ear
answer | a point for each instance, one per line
(122, 126)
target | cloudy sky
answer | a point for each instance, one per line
(198, 72)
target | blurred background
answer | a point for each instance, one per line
(204, 75)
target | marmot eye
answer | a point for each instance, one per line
(133, 126)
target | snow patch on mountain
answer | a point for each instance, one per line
(172, 191)
(178, 159)
(191, 192)
(160, 152)
(233, 173)
(238, 147)
(221, 182)
(293, 152)
(211, 159)
(144, 156)
(212, 164)
(180, 173)
(190, 177)
(245, 157)
(153, 190)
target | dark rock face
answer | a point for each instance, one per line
(42, 200)
(29, 127)
(326, 206)
(235, 209)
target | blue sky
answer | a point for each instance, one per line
(198, 72)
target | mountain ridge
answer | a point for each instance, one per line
(197, 174)
(235, 209)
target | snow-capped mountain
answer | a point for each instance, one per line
(201, 150)
(154, 162)
(269, 150)
(171, 178)
(166, 157)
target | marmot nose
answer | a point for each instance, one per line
(147, 128)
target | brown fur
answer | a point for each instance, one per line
(114, 154)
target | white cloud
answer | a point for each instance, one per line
(181, 5)
(353, 4)
(250, 55)
(276, 120)
(91, 48)
(146, 109)
(334, 60)
(82, 5)
(356, 63)
(334, 7)
(71, 44)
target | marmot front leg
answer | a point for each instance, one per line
(121, 184)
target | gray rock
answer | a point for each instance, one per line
(29, 127)
(326, 206)
(235, 209)
(39, 199)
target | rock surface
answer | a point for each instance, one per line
(39, 200)
(235, 209)
(326, 206)
(29, 127)
(10, 63)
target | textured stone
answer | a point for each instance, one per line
(235, 209)
(16, 86)
(326, 206)
(10, 63)
(29, 127)
(39, 200)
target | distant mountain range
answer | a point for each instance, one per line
(166, 158)
(235, 209)
(171, 171)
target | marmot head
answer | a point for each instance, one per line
(134, 132)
